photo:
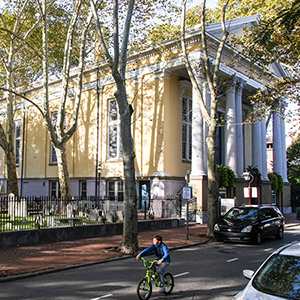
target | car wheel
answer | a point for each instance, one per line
(258, 238)
(279, 235)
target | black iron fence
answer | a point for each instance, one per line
(45, 212)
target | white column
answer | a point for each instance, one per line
(277, 146)
(264, 170)
(198, 139)
(283, 145)
(256, 143)
(230, 134)
(239, 129)
(207, 101)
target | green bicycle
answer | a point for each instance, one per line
(144, 289)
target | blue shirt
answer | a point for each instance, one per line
(161, 251)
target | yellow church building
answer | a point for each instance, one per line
(168, 131)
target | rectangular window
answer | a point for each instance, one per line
(116, 190)
(111, 190)
(114, 140)
(54, 189)
(17, 141)
(53, 157)
(187, 118)
(120, 191)
(83, 189)
(220, 151)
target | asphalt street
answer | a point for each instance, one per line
(208, 271)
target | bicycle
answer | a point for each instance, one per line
(144, 289)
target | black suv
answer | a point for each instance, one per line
(250, 222)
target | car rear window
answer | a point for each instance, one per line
(243, 213)
(280, 276)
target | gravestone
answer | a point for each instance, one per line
(16, 208)
(120, 215)
(50, 222)
(93, 215)
(111, 217)
(69, 210)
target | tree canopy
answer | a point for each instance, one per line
(293, 161)
(275, 39)
(293, 166)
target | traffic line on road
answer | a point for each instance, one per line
(181, 274)
(231, 260)
(268, 249)
(102, 297)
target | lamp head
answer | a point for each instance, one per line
(247, 175)
(99, 169)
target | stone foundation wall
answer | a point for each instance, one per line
(50, 235)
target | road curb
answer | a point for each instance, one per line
(89, 263)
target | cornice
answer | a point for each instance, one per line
(160, 69)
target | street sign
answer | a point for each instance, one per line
(254, 193)
(187, 193)
(226, 204)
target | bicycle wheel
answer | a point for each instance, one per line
(144, 289)
(169, 283)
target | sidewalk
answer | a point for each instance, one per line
(32, 260)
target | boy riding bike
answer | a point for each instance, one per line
(163, 258)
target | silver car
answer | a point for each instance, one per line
(277, 278)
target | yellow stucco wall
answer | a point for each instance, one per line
(156, 129)
(156, 125)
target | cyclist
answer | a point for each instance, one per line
(163, 258)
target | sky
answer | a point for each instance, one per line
(209, 3)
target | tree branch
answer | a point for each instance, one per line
(23, 97)
(221, 45)
(124, 48)
(116, 36)
(73, 126)
(193, 79)
(100, 35)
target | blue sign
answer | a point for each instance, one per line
(187, 193)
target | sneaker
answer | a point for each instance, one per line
(162, 290)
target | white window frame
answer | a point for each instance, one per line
(17, 132)
(83, 189)
(120, 190)
(114, 125)
(54, 189)
(111, 190)
(187, 119)
(53, 157)
(115, 190)
(220, 142)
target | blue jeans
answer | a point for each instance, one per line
(161, 271)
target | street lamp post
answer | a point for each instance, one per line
(249, 176)
(97, 165)
(23, 150)
(99, 170)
